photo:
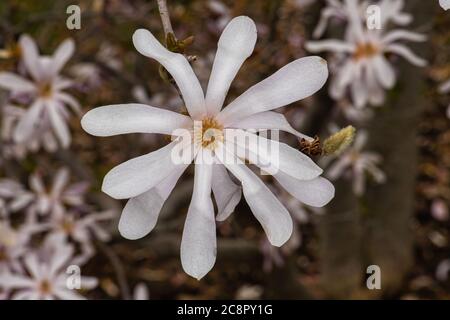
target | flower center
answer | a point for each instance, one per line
(3, 255)
(208, 132)
(365, 50)
(45, 287)
(45, 90)
(67, 226)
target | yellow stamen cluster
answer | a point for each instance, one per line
(45, 90)
(45, 287)
(365, 50)
(208, 132)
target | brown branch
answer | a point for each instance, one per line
(165, 18)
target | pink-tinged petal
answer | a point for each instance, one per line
(33, 266)
(15, 83)
(384, 72)
(62, 55)
(30, 56)
(59, 259)
(235, 45)
(60, 181)
(226, 193)
(15, 281)
(28, 122)
(136, 176)
(141, 213)
(269, 211)
(293, 82)
(177, 65)
(198, 244)
(59, 124)
(316, 192)
(269, 120)
(272, 156)
(407, 54)
(132, 118)
(25, 295)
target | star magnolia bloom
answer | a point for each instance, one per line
(390, 10)
(148, 180)
(46, 86)
(358, 163)
(362, 64)
(47, 279)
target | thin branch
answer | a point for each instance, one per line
(165, 18)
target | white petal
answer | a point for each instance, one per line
(269, 120)
(406, 53)
(235, 45)
(60, 181)
(28, 122)
(316, 192)
(396, 35)
(30, 56)
(15, 83)
(198, 244)
(62, 55)
(329, 45)
(226, 193)
(140, 174)
(141, 213)
(272, 156)
(177, 65)
(132, 118)
(59, 124)
(293, 82)
(60, 259)
(272, 215)
(384, 72)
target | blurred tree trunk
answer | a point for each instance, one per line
(377, 230)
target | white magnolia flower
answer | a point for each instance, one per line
(13, 245)
(43, 135)
(46, 86)
(46, 277)
(357, 163)
(82, 229)
(211, 134)
(60, 195)
(13, 197)
(390, 11)
(445, 88)
(362, 66)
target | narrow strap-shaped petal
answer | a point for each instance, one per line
(15, 83)
(177, 65)
(316, 192)
(140, 174)
(235, 45)
(59, 124)
(271, 156)
(198, 244)
(268, 210)
(141, 213)
(384, 71)
(269, 120)
(30, 56)
(62, 54)
(400, 34)
(293, 82)
(132, 118)
(329, 45)
(406, 53)
(226, 193)
(28, 122)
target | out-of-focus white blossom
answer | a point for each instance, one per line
(45, 277)
(355, 164)
(445, 4)
(46, 88)
(148, 180)
(390, 11)
(13, 245)
(361, 66)
(141, 292)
